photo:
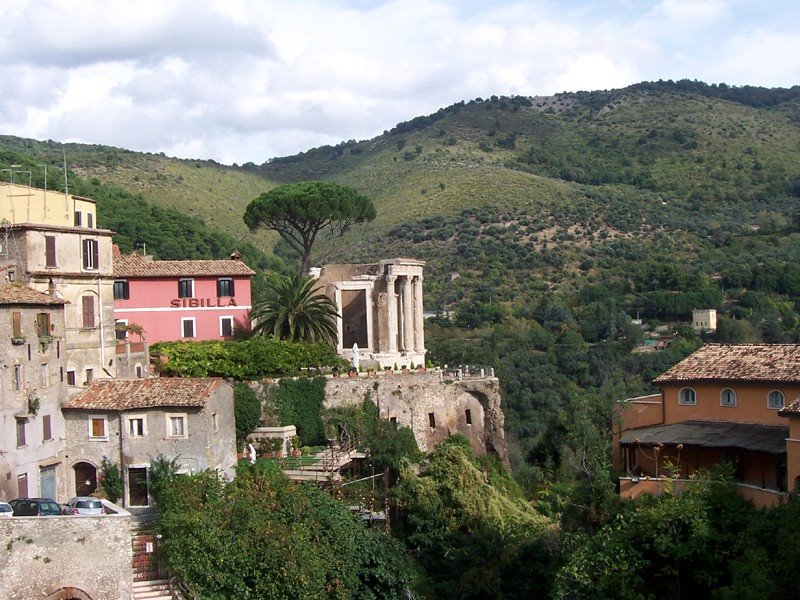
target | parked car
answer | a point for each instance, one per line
(35, 507)
(84, 505)
(5, 510)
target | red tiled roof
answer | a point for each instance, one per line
(15, 294)
(133, 265)
(126, 394)
(792, 410)
(744, 362)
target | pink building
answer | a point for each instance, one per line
(181, 299)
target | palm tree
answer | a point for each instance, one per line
(293, 310)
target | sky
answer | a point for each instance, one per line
(247, 80)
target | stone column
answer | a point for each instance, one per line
(339, 325)
(391, 308)
(419, 320)
(408, 315)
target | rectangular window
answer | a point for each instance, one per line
(70, 377)
(43, 324)
(121, 290)
(18, 377)
(432, 420)
(88, 311)
(187, 327)
(21, 423)
(44, 376)
(468, 416)
(98, 428)
(139, 371)
(16, 324)
(186, 288)
(78, 218)
(22, 485)
(50, 251)
(176, 425)
(90, 220)
(90, 255)
(224, 287)
(215, 422)
(47, 432)
(226, 326)
(120, 331)
(89, 376)
(137, 426)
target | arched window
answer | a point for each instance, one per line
(727, 397)
(687, 396)
(775, 399)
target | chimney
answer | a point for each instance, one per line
(236, 255)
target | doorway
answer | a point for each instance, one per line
(137, 486)
(47, 482)
(85, 479)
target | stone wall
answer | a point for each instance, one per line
(432, 406)
(42, 556)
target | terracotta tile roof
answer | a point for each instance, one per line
(744, 362)
(133, 265)
(126, 394)
(792, 410)
(15, 294)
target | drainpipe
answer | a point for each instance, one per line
(102, 331)
(121, 465)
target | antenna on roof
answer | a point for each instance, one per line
(66, 179)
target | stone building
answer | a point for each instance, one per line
(704, 319)
(381, 310)
(132, 421)
(50, 242)
(32, 384)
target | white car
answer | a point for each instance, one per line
(84, 505)
(5, 510)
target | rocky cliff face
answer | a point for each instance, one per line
(431, 406)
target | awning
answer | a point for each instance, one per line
(760, 438)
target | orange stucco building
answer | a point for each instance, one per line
(736, 404)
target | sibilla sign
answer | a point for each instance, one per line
(201, 302)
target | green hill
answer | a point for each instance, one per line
(509, 197)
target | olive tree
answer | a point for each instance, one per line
(299, 211)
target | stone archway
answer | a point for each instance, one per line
(69, 593)
(85, 478)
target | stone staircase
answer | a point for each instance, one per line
(157, 589)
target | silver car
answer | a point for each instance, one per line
(5, 510)
(84, 505)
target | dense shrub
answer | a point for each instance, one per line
(248, 359)
(246, 410)
(263, 536)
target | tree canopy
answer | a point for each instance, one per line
(298, 211)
